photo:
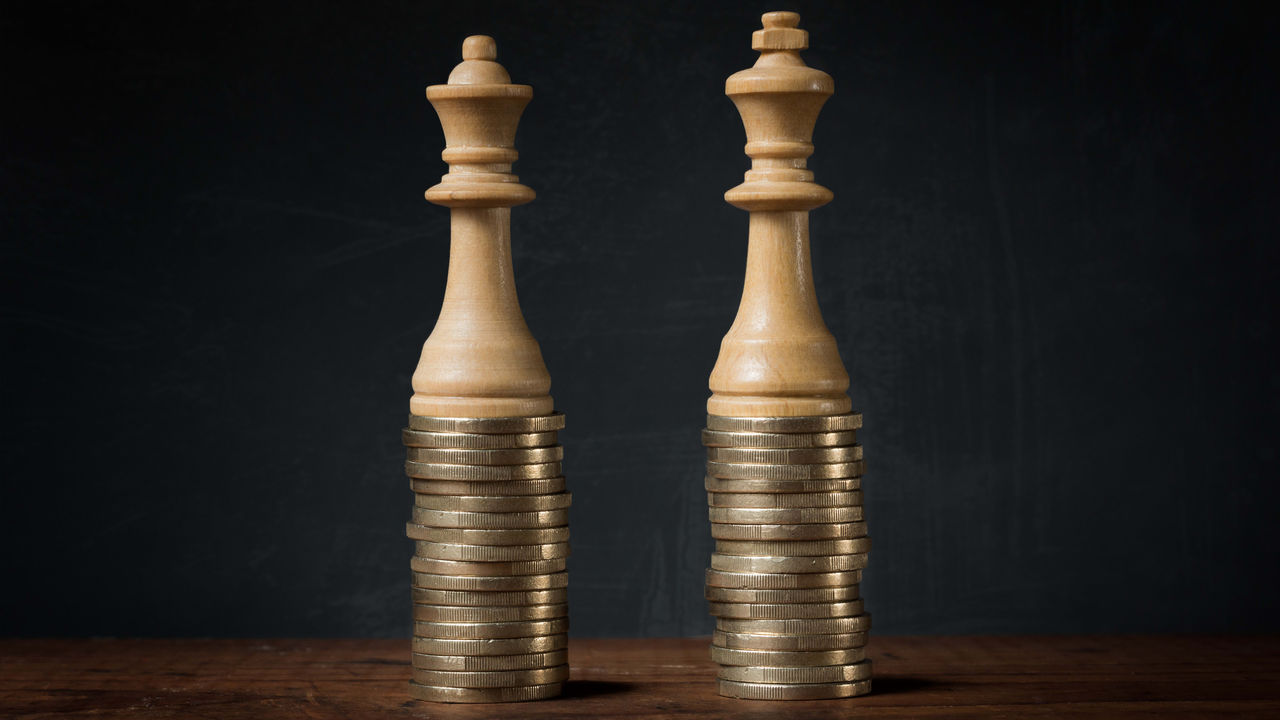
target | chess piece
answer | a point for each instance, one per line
(779, 359)
(480, 360)
(490, 516)
(784, 471)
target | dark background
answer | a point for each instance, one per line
(1051, 267)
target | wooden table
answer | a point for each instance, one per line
(1090, 676)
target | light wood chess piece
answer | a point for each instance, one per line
(778, 358)
(480, 360)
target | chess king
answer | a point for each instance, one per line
(778, 359)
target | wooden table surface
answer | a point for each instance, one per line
(1087, 676)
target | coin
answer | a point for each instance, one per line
(475, 441)
(798, 424)
(721, 438)
(721, 485)
(779, 501)
(512, 488)
(508, 456)
(491, 646)
(474, 598)
(492, 678)
(491, 553)
(473, 663)
(794, 548)
(796, 626)
(816, 531)
(503, 613)
(804, 691)
(491, 504)
(786, 471)
(490, 520)
(471, 536)
(455, 567)
(489, 426)
(483, 695)
(520, 629)
(504, 583)
(780, 456)
(481, 473)
(785, 611)
(781, 581)
(798, 675)
(787, 658)
(791, 595)
(794, 643)
(816, 563)
(785, 516)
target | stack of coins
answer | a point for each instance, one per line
(491, 527)
(786, 514)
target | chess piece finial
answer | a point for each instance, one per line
(480, 360)
(779, 359)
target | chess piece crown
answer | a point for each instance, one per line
(480, 360)
(779, 359)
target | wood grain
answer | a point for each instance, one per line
(955, 677)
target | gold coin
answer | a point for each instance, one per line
(486, 569)
(796, 626)
(431, 693)
(491, 504)
(491, 553)
(484, 663)
(480, 473)
(801, 564)
(471, 536)
(490, 520)
(489, 426)
(757, 471)
(476, 441)
(785, 611)
(473, 598)
(781, 581)
(722, 438)
(492, 678)
(786, 456)
(785, 516)
(798, 675)
(477, 630)
(816, 531)
(504, 613)
(503, 583)
(786, 501)
(803, 691)
(780, 487)
(792, 595)
(491, 646)
(491, 489)
(798, 424)
(787, 658)
(794, 548)
(508, 456)
(793, 643)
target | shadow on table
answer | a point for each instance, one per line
(593, 688)
(891, 685)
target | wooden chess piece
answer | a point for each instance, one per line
(480, 360)
(778, 359)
